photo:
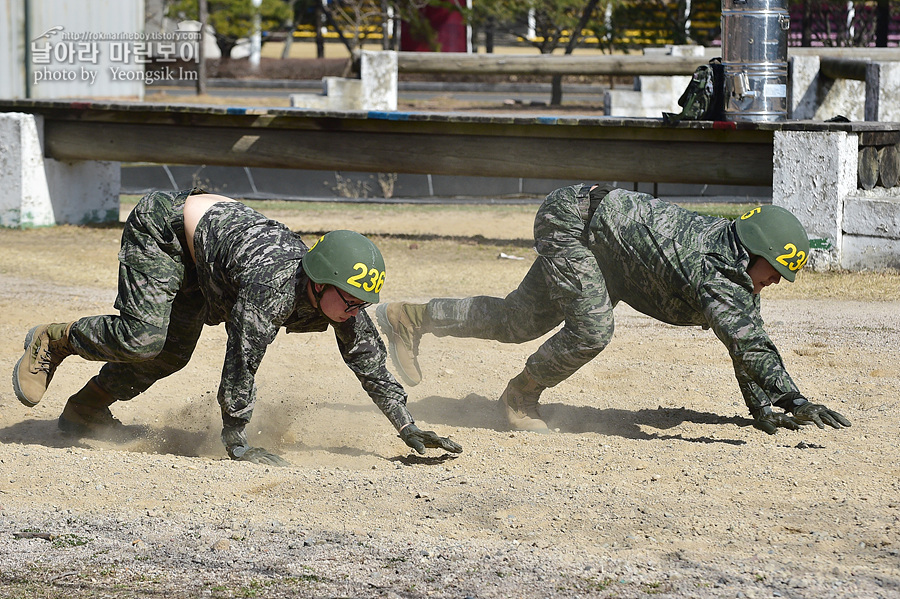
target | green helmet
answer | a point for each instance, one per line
(349, 261)
(775, 234)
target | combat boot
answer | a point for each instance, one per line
(520, 404)
(402, 325)
(87, 413)
(46, 346)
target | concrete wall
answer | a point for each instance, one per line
(60, 48)
(815, 177)
(12, 49)
(36, 191)
(817, 97)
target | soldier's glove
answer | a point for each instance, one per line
(815, 413)
(235, 441)
(418, 439)
(769, 422)
(256, 455)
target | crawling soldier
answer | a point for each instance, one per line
(598, 246)
(191, 258)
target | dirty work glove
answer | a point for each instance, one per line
(418, 439)
(256, 455)
(769, 422)
(235, 441)
(815, 413)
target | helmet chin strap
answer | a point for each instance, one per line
(318, 297)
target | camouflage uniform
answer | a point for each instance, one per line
(599, 248)
(247, 275)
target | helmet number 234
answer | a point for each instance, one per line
(792, 259)
(374, 281)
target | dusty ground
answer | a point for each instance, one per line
(654, 482)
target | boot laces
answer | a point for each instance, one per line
(43, 359)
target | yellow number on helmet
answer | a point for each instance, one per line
(756, 210)
(354, 280)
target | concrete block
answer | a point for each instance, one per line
(627, 103)
(379, 74)
(338, 93)
(83, 192)
(36, 191)
(846, 97)
(813, 173)
(803, 87)
(344, 94)
(861, 253)
(24, 195)
(671, 85)
(376, 89)
(882, 91)
(873, 216)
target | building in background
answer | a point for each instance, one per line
(84, 48)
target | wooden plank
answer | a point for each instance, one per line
(443, 154)
(843, 68)
(879, 138)
(546, 64)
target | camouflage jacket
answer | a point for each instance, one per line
(686, 269)
(249, 270)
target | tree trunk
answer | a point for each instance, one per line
(489, 36)
(288, 42)
(882, 20)
(556, 83)
(225, 46)
(556, 90)
(806, 31)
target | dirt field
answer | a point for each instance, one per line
(653, 483)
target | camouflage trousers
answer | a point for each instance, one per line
(161, 308)
(564, 285)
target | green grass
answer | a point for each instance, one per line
(723, 210)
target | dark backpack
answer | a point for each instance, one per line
(704, 98)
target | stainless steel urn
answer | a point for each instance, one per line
(754, 56)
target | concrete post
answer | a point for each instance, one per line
(882, 89)
(378, 71)
(813, 173)
(803, 87)
(36, 191)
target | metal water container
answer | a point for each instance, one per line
(754, 57)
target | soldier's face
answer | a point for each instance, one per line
(334, 307)
(763, 274)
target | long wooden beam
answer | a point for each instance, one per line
(428, 152)
(843, 68)
(573, 147)
(546, 64)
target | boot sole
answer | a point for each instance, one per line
(384, 323)
(20, 394)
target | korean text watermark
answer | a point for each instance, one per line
(59, 55)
